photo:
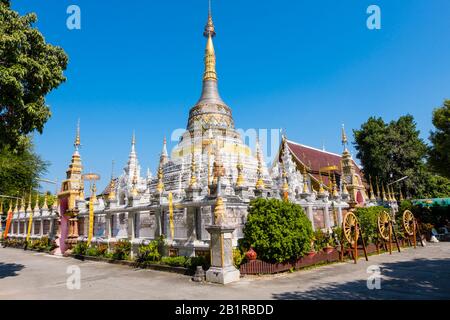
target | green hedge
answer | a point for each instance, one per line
(368, 220)
(277, 230)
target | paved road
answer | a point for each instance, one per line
(423, 273)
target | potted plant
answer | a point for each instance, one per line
(329, 244)
(251, 254)
(311, 252)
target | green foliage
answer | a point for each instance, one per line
(368, 220)
(122, 249)
(277, 230)
(148, 253)
(439, 153)
(14, 243)
(19, 171)
(238, 257)
(29, 69)
(185, 262)
(174, 261)
(97, 250)
(80, 249)
(395, 149)
(320, 239)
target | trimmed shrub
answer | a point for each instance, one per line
(148, 253)
(368, 220)
(277, 230)
(80, 249)
(122, 249)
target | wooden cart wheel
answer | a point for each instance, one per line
(384, 220)
(349, 226)
(408, 222)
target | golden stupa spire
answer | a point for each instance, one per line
(383, 193)
(335, 188)
(160, 186)
(16, 208)
(321, 190)
(344, 138)
(77, 142)
(134, 182)
(45, 205)
(259, 172)
(378, 189)
(112, 184)
(240, 169)
(210, 55)
(372, 194)
(305, 180)
(400, 193)
(393, 194)
(193, 181)
(36, 205)
(22, 205)
(29, 209)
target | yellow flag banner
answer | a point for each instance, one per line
(172, 227)
(30, 225)
(8, 223)
(91, 220)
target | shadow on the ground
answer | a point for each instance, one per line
(415, 279)
(9, 269)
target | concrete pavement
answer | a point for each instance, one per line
(423, 273)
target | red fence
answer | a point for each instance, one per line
(261, 267)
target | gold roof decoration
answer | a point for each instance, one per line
(16, 208)
(77, 142)
(22, 205)
(321, 190)
(400, 193)
(305, 180)
(372, 194)
(335, 188)
(240, 169)
(378, 189)
(160, 186)
(193, 181)
(36, 204)
(260, 182)
(210, 56)
(45, 205)
(383, 193)
(29, 209)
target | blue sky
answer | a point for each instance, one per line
(303, 65)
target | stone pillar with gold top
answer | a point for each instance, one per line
(222, 268)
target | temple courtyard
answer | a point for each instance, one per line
(423, 273)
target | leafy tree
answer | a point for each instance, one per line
(29, 69)
(19, 170)
(390, 151)
(439, 159)
(277, 230)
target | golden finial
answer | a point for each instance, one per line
(134, 182)
(260, 182)
(45, 205)
(285, 185)
(335, 191)
(372, 194)
(321, 190)
(36, 205)
(210, 56)
(193, 181)
(10, 206)
(160, 186)
(393, 194)
(77, 142)
(400, 193)
(93, 192)
(344, 188)
(378, 189)
(305, 180)
(16, 208)
(29, 209)
(344, 137)
(1, 208)
(22, 205)
(219, 211)
(383, 193)
(240, 169)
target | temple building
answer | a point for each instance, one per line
(209, 178)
